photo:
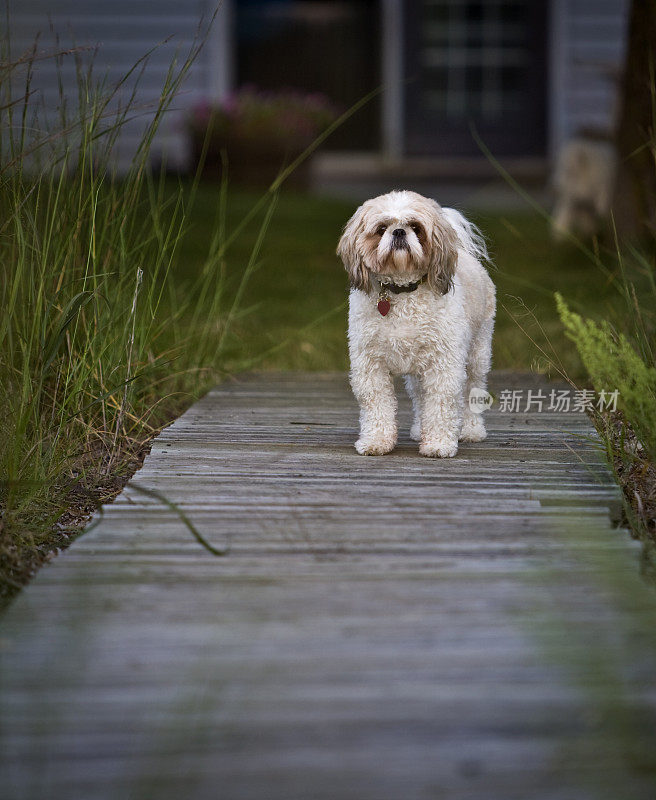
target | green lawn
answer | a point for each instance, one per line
(295, 302)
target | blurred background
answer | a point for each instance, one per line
(455, 93)
(526, 75)
(514, 111)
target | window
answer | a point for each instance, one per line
(473, 55)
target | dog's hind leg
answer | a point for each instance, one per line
(412, 387)
(478, 366)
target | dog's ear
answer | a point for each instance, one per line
(348, 249)
(444, 252)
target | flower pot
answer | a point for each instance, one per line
(249, 163)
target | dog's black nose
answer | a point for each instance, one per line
(398, 232)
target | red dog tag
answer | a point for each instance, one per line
(384, 306)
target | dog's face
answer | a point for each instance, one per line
(400, 235)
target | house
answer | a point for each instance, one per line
(525, 75)
(118, 34)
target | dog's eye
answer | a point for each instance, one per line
(380, 230)
(416, 229)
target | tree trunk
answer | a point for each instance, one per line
(634, 205)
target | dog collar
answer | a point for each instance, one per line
(384, 304)
(400, 289)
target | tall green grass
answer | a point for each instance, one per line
(99, 347)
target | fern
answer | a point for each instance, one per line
(612, 362)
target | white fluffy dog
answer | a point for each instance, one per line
(583, 180)
(421, 305)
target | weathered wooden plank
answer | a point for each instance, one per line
(370, 633)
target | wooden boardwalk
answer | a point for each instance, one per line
(369, 635)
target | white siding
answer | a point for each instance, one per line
(588, 39)
(588, 46)
(123, 31)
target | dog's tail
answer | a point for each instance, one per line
(469, 235)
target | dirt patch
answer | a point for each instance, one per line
(636, 475)
(97, 478)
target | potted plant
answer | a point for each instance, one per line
(261, 133)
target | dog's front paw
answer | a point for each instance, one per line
(473, 430)
(375, 447)
(438, 448)
(415, 432)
